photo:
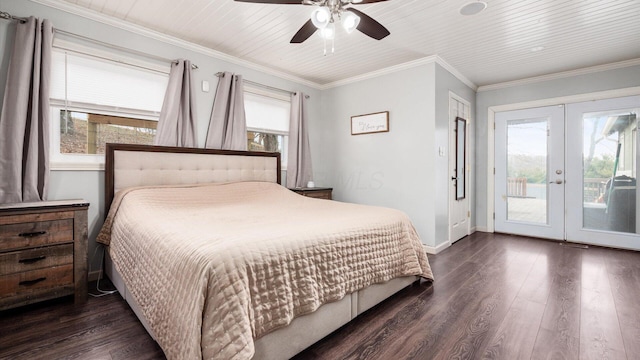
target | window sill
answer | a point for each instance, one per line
(72, 166)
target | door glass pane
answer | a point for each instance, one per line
(527, 170)
(609, 170)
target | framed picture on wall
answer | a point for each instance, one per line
(370, 123)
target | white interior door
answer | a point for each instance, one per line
(602, 142)
(529, 172)
(459, 210)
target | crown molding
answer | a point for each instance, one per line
(140, 30)
(456, 73)
(407, 65)
(381, 72)
(561, 75)
(143, 31)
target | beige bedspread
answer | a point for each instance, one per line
(215, 266)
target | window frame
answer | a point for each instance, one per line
(89, 162)
(277, 96)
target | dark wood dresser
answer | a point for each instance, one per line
(315, 192)
(43, 252)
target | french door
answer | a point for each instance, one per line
(569, 172)
(529, 172)
(602, 142)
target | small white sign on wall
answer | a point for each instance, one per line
(370, 123)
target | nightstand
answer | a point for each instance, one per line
(43, 252)
(315, 192)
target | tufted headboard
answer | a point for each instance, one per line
(129, 165)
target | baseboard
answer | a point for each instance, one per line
(481, 229)
(435, 249)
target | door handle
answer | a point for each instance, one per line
(558, 181)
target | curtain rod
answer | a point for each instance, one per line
(116, 47)
(5, 15)
(220, 74)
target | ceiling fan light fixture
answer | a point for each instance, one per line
(350, 22)
(321, 17)
(328, 32)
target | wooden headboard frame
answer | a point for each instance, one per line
(205, 168)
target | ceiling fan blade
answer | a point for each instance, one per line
(284, 2)
(304, 33)
(368, 26)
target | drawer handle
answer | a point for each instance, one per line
(32, 282)
(32, 234)
(32, 260)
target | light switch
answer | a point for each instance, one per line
(205, 86)
(441, 150)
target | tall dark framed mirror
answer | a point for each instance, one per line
(461, 157)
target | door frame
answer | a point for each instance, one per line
(468, 164)
(492, 110)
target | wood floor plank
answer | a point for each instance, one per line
(479, 321)
(517, 333)
(67, 333)
(559, 333)
(600, 335)
(624, 277)
(495, 296)
(557, 345)
(437, 322)
(537, 285)
(463, 250)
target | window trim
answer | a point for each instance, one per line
(92, 162)
(277, 96)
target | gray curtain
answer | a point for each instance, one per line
(299, 170)
(228, 126)
(24, 121)
(177, 123)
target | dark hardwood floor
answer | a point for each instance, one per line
(495, 297)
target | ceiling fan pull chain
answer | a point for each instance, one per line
(324, 40)
(333, 46)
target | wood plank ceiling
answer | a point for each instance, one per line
(491, 47)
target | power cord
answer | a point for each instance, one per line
(101, 293)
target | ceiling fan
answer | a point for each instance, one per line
(328, 12)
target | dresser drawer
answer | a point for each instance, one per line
(319, 194)
(34, 280)
(34, 234)
(43, 252)
(39, 258)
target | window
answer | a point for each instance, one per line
(267, 122)
(96, 99)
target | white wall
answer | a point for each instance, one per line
(566, 86)
(89, 185)
(394, 168)
(400, 168)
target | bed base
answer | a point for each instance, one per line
(303, 331)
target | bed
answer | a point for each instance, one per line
(218, 260)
